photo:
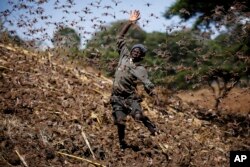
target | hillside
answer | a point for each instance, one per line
(49, 108)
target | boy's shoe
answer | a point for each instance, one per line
(154, 131)
(123, 145)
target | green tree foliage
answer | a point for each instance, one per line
(209, 10)
(7, 37)
(168, 54)
(229, 52)
(178, 60)
(10, 36)
(66, 37)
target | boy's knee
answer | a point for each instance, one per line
(120, 121)
(138, 116)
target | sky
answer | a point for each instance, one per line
(31, 19)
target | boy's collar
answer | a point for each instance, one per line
(135, 63)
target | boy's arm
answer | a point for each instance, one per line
(134, 16)
(142, 75)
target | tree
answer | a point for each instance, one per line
(221, 82)
(8, 36)
(168, 54)
(226, 59)
(66, 37)
(209, 10)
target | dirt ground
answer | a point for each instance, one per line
(55, 113)
(237, 101)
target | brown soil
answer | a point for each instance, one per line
(237, 101)
(47, 105)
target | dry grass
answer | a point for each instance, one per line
(46, 105)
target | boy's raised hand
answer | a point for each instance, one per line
(134, 15)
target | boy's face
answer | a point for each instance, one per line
(136, 53)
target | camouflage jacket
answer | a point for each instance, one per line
(128, 73)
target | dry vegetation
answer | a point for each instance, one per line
(57, 114)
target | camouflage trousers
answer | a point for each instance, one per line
(128, 106)
(125, 106)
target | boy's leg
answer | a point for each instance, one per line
(119, 120)
(137, 114)
(121, 135)
(151, 127)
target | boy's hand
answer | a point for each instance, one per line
(134, 16)
(156, 100)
